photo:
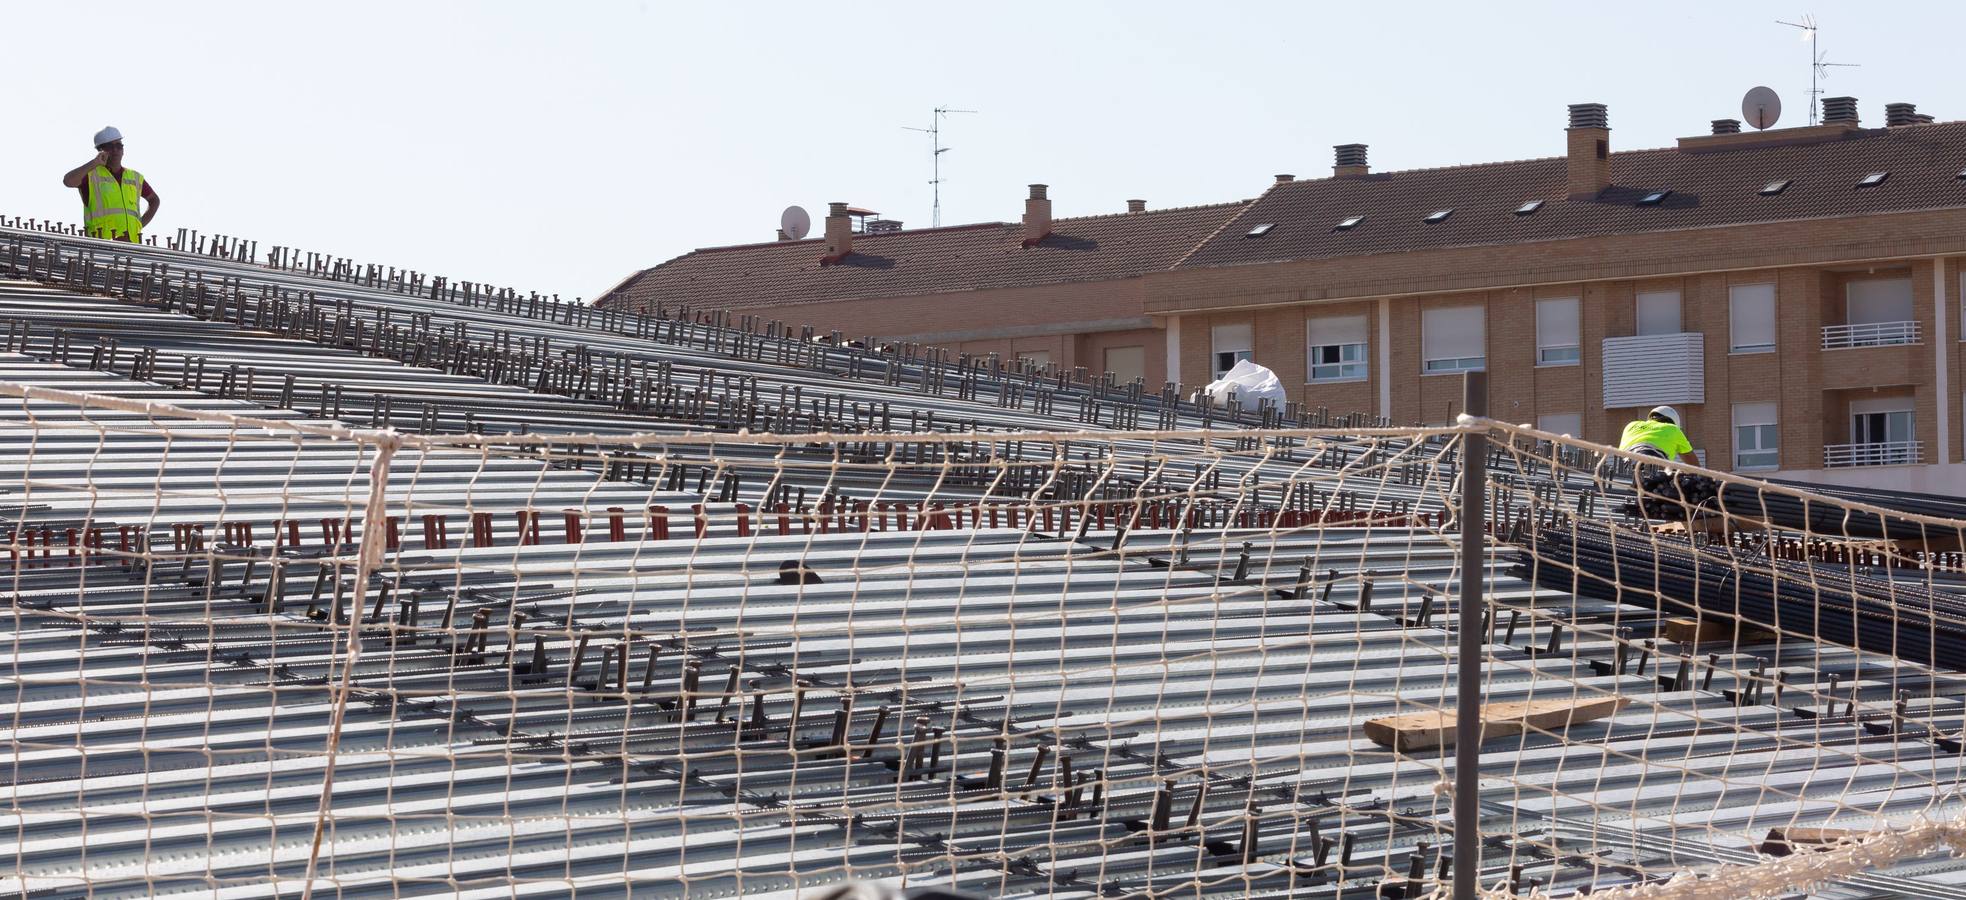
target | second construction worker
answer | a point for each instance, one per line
(110, 192)
(1657, 435)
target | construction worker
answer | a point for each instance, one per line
(110, 192)
(1657, 435)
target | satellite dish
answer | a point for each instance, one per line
(795, 222)
(1761, 107)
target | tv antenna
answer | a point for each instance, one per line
(934, 132)
(1819, 64)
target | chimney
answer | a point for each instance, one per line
(1589, 137)
(783, 236)
(1840, 111)
(1037, 215)
(1136, 206)
(1350, 161)
(839, 232)
(1896, 114)
(1727, 126)
(1286, 178)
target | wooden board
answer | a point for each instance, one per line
(1428, 730)
(1714, 630)
(1784, 841)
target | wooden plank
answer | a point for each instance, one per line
(1429, 730)
(1714, 630)
(1784, 841)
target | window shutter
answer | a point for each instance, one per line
(1556, 322)
(1230, 338)
(1562, 423)
(1879, 300)
(1658, 312)
(1754, 414)
(1751, 316)
(1335, 330)
(1453, 332)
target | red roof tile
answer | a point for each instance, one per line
(927, 261)
(1710, 188)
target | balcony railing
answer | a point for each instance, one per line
(1894, 453)
(1869, 334)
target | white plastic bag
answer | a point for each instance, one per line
(1250, 382)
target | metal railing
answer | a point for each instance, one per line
(1869, 334)
(1886, 453)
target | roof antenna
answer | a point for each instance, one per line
(1819, 64)
(934, 132)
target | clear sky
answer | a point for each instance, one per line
(559, 146)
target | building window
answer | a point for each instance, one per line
(1556, 333)
(1658, 312)
(1126, 364)
(1566, 424)
(1877, 313)
(1891, 426)
(1751, 318)
(1875, 301)
(1757, 440)
(1232, 344)
(1336, 346)
(1453, 339)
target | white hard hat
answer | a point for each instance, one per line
(108, 134)
(1670, 414)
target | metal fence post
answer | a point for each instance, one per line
(1467, 694)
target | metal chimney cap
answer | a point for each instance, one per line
(1038, 191)
(1840, 109)
(836, 208)
(1285, 178)
(1727, 126)
(1350, 154)
(1589, 115)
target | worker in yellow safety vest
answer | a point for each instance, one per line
(1657, 435)
(110, 192)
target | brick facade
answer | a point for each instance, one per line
(1810, 261)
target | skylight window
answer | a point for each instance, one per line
(1529, 208)
(1873, 179)
(1261, 230)
(1438, 216)
(1350, 223)
(1655, 198)
(1775, 187)
(1962, 175)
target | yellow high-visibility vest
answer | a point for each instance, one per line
(112, 211)
(1663, 435)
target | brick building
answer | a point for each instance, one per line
(1067, 292)
(1796, 292)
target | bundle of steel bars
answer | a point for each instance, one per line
(1832, 519)
(1870, 615)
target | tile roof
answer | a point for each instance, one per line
(1710, 187)
(928, 261)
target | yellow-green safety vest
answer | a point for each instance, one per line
(1663, 435)
(112, 211)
